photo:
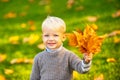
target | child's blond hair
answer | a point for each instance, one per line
(53, 23)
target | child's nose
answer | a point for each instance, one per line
(51, 38)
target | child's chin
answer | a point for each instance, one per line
(52, 47)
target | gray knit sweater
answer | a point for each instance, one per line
(57, 65)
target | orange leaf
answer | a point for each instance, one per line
(32, 28)
(88, 32)
(78, 37)
(10, 15)
(94, 44)
(72, 39)
(5, 0)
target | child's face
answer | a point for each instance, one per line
(53, 38)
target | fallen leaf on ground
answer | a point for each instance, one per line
(22, 14)
(111, 60)
(41, 46)
(116, 14)
(17, 60)
(92, 18)
(113, 33)
(31, 39)
(2, 77)
(75, 75)
(79, 8)
(8, 71)
(21, 60)
(5, 0)
(32, 28)
(2, 57)
(31, 22)
(116, 40)
(70, 3)
(100, 77)
(10, 15)
(14, 39)
(23, 25)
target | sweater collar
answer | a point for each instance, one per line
(54, 51)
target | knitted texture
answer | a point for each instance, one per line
(57, 65)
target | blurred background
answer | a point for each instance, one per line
(20, 34)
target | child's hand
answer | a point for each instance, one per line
(88, 57)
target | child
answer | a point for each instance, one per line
(56, 62)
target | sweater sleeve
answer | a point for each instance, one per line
(78, 64)
(35, 74)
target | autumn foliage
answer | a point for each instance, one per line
(87, 41)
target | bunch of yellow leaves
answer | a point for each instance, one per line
(87, 41)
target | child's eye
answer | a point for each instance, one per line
(56, 35)
(46, 35)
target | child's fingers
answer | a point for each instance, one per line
(88, 57)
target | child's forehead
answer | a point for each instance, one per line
(53, 28)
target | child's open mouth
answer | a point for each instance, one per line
(51, 44)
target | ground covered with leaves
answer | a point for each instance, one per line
(20, 34)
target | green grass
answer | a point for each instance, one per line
(74, 19)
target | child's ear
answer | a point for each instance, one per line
(64, 37)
